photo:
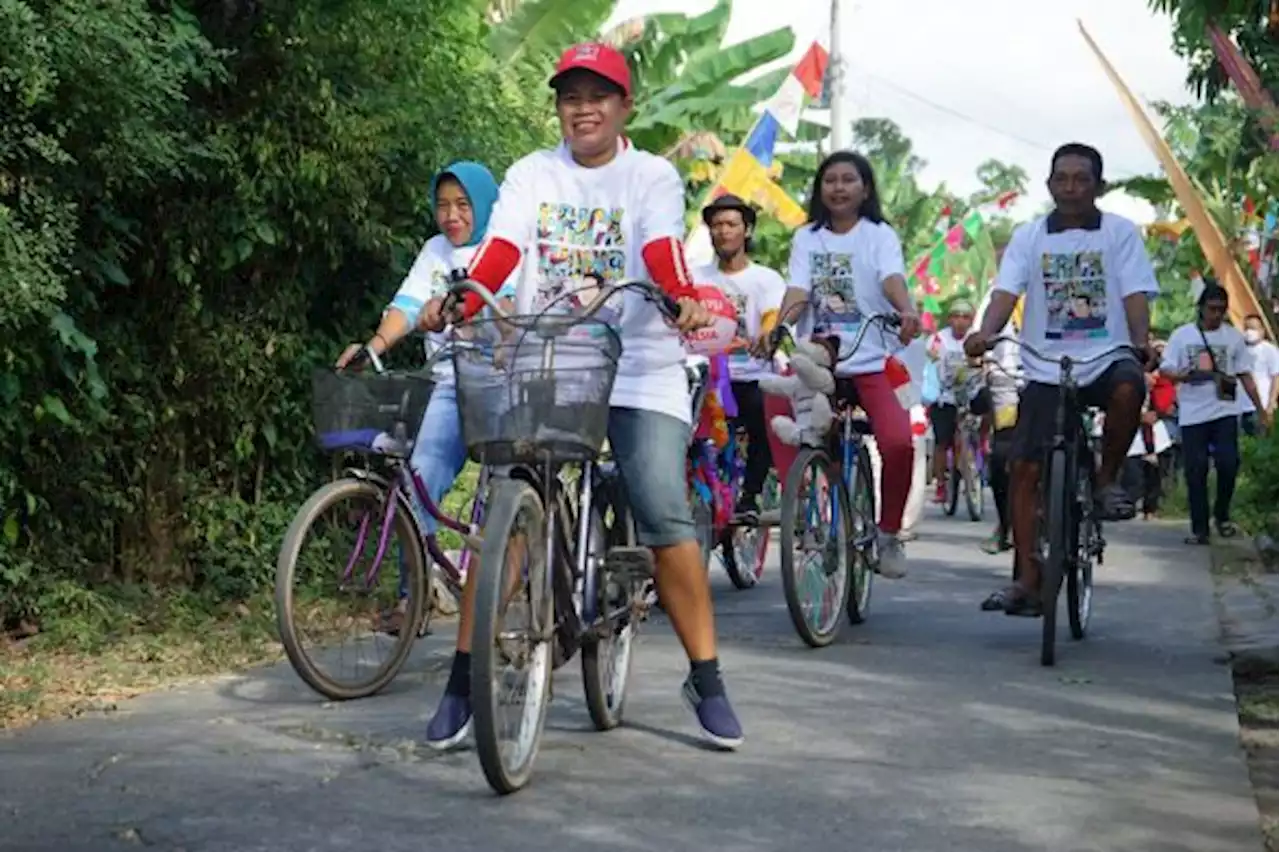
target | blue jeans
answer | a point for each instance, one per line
(438, 456)
(650, 450)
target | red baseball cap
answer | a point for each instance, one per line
(600, 59)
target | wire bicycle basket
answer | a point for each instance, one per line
(368, 412)
(538, 391)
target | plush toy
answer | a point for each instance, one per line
(808, 386)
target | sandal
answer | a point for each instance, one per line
(996, 544)
(1113, 504)
(1227, 529)
(1012, 600)
(1196, 540)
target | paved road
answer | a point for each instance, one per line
(931, 727)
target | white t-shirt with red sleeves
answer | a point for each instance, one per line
(844, 275)
(1075, 281)
(571, 222)
(429, 279)
(754, 291)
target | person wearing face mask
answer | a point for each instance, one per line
(1263, 361)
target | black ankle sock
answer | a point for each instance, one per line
(706, 677)
(460, 675)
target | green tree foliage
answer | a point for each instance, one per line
(1249, 23)
(199, 203)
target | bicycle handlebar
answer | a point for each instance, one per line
(665, 304)
(888, 321)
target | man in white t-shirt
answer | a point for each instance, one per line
(956, 382)
(1264, 365)
(1206, 360)
(756, 292)
(595, 207)
(1088, 283)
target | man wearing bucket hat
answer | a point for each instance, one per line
(756, 292)
(595, 205)
(955, 374)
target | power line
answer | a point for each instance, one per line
(954, 113)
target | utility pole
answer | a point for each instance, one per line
(839, 138)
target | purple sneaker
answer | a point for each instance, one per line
(716, 718)
(451, 723)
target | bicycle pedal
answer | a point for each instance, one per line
(635, 563)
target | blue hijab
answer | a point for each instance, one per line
(481, 189)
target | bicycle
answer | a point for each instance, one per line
(540, 403)
(1069, 536)
(967, 473)
(716, 476)
(850, 536)
(376, 415)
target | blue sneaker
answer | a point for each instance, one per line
(451, 724)
(716, 718)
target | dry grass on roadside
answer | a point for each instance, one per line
(43, 678)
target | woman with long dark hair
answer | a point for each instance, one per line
(846, 264)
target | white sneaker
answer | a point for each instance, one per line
(893, 557)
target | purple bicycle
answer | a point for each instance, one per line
(341, 537)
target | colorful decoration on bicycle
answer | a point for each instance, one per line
(720, 335)
(807, 387)
(718, 405)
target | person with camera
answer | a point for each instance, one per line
(1207, 360)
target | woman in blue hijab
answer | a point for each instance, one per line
(462, 196)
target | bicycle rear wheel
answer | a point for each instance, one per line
(815, 523)
(512, 566)
(1057, 520)
(357, 507)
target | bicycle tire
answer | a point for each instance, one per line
(606, 714)
(510, 499)
(1080, 577)
(973, 496)
(868, 558)
(814, 638)
(1057, 519)
(953, 488)
(323, 499)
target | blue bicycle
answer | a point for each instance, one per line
(828, 519)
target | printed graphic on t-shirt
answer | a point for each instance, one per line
(1075, 289)
(739, 301)
(836, 305)
(580, 249)
(1198, 357)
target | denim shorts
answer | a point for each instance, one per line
(650, 450)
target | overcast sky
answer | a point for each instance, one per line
(967, 81)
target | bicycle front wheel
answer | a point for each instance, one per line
(863, 538)
(511, 665)
(1057, 519)
(331, 585)
(815, 552)
(971, 480)
(607, 656)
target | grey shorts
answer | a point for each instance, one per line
(650, 450)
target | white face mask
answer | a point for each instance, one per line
(1252, 336)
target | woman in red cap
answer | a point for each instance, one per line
(594, 206)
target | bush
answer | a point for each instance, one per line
(198, 202)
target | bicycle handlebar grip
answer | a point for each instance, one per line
(893, 321)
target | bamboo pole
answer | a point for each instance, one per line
(1243, 299)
